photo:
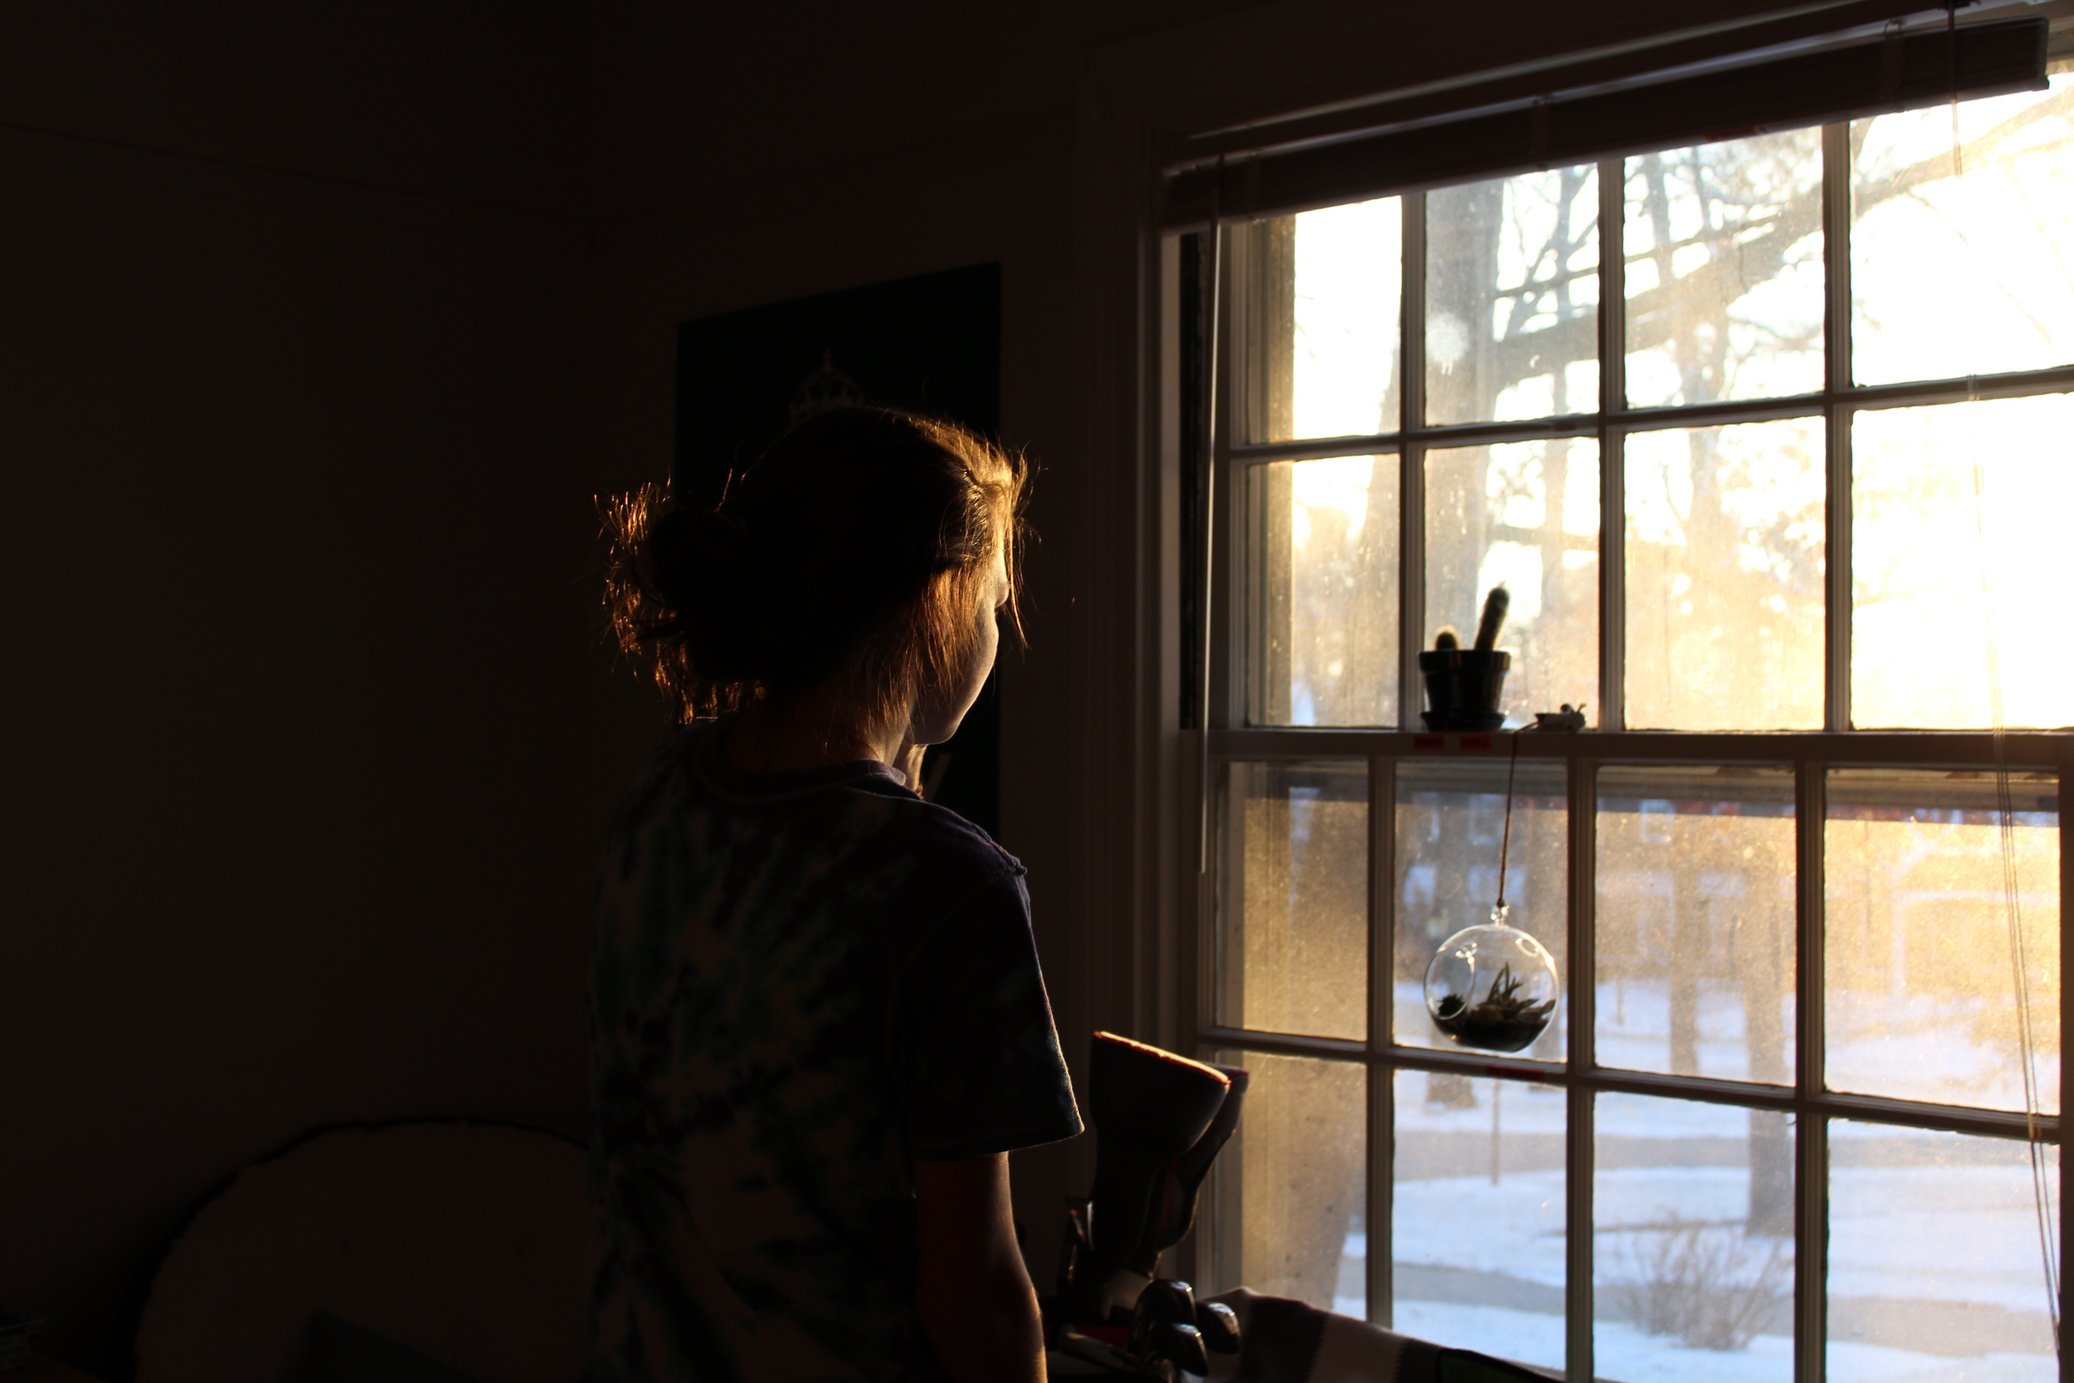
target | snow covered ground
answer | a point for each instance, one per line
(1895, 1247)
(1632, 1357)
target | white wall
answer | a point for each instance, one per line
(319, 327)
(295, 626)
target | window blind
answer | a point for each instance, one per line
(1899, 70)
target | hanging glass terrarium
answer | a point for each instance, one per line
(1493, 986)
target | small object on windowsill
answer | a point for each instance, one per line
(1569, 718)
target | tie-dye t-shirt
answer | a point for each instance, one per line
(801, 983)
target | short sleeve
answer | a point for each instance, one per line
(976, 1052)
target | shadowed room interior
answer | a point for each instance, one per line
(321, 328)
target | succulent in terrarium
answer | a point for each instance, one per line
(1503, 1021)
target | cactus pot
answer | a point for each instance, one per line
(1463, 686)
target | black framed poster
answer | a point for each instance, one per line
(930, 344)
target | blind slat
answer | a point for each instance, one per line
(1899, 72)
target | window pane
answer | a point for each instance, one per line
(1957, 519)
(1292, 955)
(1450, 820)
(1476, 1215)
(1694, 921)
(1325, 321)
(1323, 587)
(1525, 514)
(1934, 1267)
(1724, 270)
(1725, 555)
(1692, 1240)
(1919, 981)
(1288, 1196)
(1963, 269)
(1512, 297)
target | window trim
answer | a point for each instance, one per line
(1128, 963)
(1808, 754)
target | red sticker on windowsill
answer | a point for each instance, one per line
(1424, 742)
(1480, 741)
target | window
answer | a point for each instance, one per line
(1768, 440)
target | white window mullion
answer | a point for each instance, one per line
(1612, 708)
(1382, 1089)
(1411, 464)
(1810, 1126)
(1582, 778)
(1836, 331)
(1579, 1156)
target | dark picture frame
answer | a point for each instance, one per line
(930, 344)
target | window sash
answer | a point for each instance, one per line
(1810, 755)
(1237, 459)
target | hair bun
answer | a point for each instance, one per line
(706, 566)
(713, 530)
(688, 549)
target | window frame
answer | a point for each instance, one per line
(1809, 755)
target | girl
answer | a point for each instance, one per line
(818, 1023)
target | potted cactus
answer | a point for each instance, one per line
(1463, 684)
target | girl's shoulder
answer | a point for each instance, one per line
(864, 804)
(957, 836)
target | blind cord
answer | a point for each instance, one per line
(2012, 901)
(1213, 331)
(2005, 816)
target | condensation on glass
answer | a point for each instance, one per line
(1935, 1268)
(1692, 1240)
(1450, 821)
(1288, 1196)
(1292, 939)
(1928, 903)
(1958, 518)
(1959, 251)
(1693, 912)
(1723, 256)
(1322, 592)
(1324, 321)
(1524, 515)
(1477, 1214)
(1512, 297)
(1725, 550)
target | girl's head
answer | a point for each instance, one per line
(863, 555)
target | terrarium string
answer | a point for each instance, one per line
(1505, 838)
(2005, 817)
(2012, 902)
